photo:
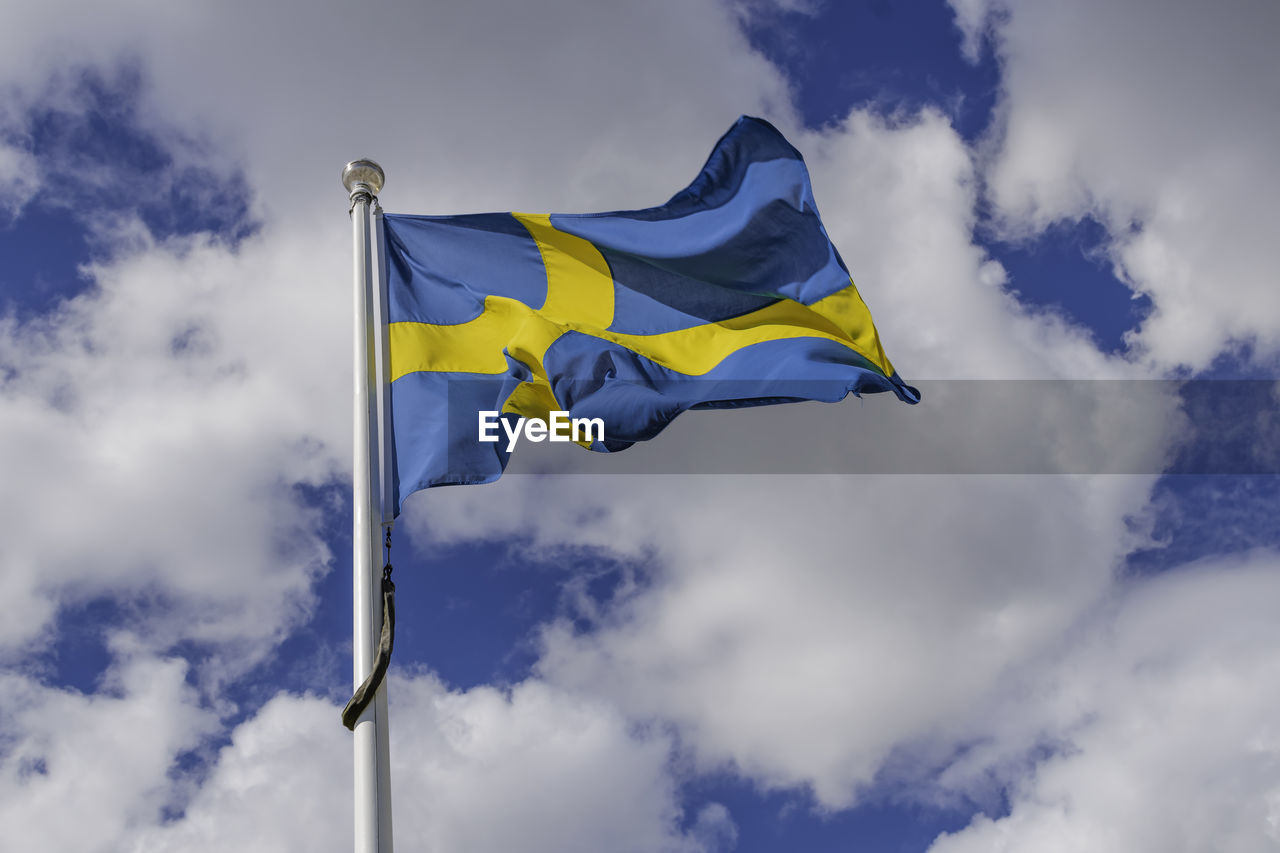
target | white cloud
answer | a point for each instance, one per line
(539, 769)
(19, 179)
(799, 629)
(282, 783)
(1163, 714)
(899, 200)
(1155, 118)
(153, 427)
(536, 769)
(802, 629)
(166, 413)
(177, 414)
(77, 772)
(972, 17)
(485, 105)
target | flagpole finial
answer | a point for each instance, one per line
(363, 178)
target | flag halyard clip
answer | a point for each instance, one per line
(365, 692)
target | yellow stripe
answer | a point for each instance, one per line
(579, 284)
(472, 347)
(476, 347)
(580, 298)
(579, 294)
(698, 349)
(846, 310)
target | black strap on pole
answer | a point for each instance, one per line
(365, 692)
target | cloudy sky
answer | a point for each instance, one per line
(1056, 633)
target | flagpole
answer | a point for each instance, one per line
(363, 180)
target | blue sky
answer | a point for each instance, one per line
(924, 658)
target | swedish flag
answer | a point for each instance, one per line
(730, 294)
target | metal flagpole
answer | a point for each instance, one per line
(363, 180)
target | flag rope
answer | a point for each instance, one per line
(386, 640)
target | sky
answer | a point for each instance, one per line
(1033, 613)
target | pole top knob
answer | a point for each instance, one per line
(363, 176)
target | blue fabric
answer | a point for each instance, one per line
(744, 238)
(636, 397)
(443, 267)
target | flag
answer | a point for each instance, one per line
(730, 294)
